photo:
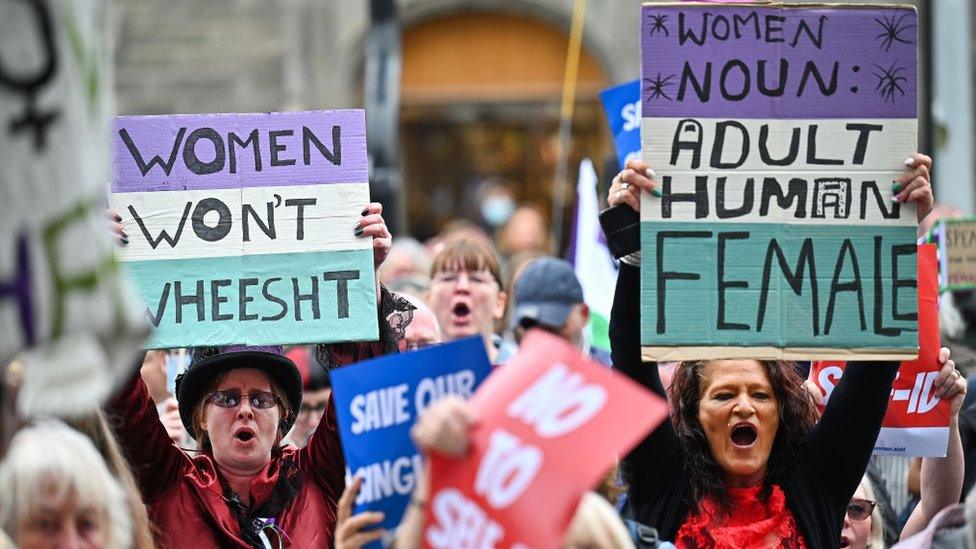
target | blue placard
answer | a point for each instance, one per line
(377, 401)
(622, 104)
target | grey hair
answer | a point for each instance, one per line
(50, 455)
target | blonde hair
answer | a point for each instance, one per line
(51, 461)
(876, 537)
(596, 524)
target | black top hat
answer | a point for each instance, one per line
(208, 363)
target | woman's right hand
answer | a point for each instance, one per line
(627, 184)
(444, 427)
(349, 533)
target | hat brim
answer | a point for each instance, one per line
(551, 315)
(197, 378)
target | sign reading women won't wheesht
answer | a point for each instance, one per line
(241, 226)
(777, 134)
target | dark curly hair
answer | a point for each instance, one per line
(797, 415)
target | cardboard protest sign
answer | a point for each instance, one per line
(378, 401)
(917, 421)
(241, 226)
(776, 133)
(64, 307)
(525, 471)
(956, 239)
(622, 105)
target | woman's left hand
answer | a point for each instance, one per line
(950, 384)
(348, 532)
(914, 185)
(373, 225)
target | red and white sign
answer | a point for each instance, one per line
(550, 425)
(917, 422)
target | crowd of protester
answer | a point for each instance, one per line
(243, 449)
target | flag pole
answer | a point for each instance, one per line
(566, 122)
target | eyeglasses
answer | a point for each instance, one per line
(309, 408)
(232, 399)
(474, 277)
(860, 509)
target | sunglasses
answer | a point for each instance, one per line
(232, 399)
(860, 509)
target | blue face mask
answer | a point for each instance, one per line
(496, 210)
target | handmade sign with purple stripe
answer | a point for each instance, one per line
(777, 134)
(241, 226)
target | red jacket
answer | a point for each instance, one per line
(185, 498)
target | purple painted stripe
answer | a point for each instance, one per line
(179, 152)
(875, 51)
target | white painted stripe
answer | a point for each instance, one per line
(912, 441)
(885, 150)
(818, 205)
(327, 225)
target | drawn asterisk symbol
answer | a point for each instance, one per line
(892, 30)
(890, 81)
(657, 24)
(656, 87)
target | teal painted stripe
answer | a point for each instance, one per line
(271, 312)
(691, 308)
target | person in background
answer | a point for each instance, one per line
(316, 389)
(466, 294)
(548, 295)
(407, 258)
(525, 232)
(423, 329)
(96, 428)
(58, 492)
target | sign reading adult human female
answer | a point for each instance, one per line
(242, 226)
(777, 134)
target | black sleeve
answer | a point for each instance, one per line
(653, 460)
(842, 441)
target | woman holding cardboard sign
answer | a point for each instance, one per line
(243, 488)
(744, 461)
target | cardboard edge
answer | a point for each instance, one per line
(653, 353)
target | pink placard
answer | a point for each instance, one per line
(550, 424)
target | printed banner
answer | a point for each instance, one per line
(622, 105)
(65, 310)
(777, 133)
(525, 473)
(956, 239)
(241, 226)
(378, 401)
(917, 421)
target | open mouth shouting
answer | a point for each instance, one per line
(845, 541)
(244, 435)
(461, 311)
(744, 435)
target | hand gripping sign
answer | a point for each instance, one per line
(917, 421)
(549, 424)
(377, 402)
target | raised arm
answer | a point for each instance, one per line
(156, 462)
(842, 441)
(657, 457)
(942, 478)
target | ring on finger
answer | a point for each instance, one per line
(624, 186)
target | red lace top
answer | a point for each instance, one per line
(751, 523)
